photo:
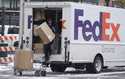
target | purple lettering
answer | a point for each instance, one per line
(96, 24)
(29, 21)
(87, 27)
(77, 22)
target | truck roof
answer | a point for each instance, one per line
(46, 4)
(61, 4)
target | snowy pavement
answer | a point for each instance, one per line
(6, 72)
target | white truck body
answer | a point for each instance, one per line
(91, 30)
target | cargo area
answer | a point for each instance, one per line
(49, 20)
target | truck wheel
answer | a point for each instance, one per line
(58, 67)
(96, 66)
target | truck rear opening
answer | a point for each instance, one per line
(53, 17)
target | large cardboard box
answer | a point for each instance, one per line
(38, 48)
(23, 59)
(45, 33)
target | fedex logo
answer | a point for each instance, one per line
(89, 27)
(29, 21)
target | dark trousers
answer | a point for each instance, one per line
(47, 51)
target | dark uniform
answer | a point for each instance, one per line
(47, 47)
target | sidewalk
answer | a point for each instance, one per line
(5, 67)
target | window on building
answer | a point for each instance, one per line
(10, 4)
(13, 30)
(11, 19)
(0, 30)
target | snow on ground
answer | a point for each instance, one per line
(5, 67)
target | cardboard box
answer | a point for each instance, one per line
(38, 48)
(23, 59)
(37, 39)
(39, 57)
(45, 33)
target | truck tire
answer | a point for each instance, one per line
(96, 66)
(58, 67)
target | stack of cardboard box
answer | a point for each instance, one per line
(38, 47)
(24, 59)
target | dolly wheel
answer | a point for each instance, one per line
(15, 72)
(20, 73)
(43, 73)
(40, 73)
(37, 73)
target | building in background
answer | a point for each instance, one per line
(9, 9)
(9, 12)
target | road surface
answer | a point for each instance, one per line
(6, 72)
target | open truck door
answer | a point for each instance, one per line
(29, 39)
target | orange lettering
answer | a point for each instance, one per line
(115, 32)
(105, 26)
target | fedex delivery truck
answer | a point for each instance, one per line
(90, 36)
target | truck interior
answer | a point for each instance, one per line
(53, 17)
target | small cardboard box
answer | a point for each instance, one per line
(45, 33)
(37, 39)
(39, 57)
(23, 59)
(38, 48)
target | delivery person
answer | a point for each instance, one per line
(39, 18)
(47, 47)
(42, 17)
